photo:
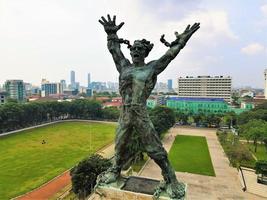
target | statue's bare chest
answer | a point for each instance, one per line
(140, 75)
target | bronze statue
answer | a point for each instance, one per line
(135, 132)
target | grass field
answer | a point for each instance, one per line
(26, 163)
(191, 154)
(261, 153)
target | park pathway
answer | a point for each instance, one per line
(49, 189)
(224, 186)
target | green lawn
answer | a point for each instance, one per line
(191, 154)
(26, 163)
(261, 153)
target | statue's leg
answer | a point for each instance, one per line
(122, 153)
(155, 150)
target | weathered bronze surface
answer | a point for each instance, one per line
(135, 132)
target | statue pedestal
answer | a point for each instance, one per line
(131, 188)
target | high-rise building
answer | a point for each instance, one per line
(72, 79)
(205, 86)
(98, 86)
(169, 84)
(51, 88)
(16, 90)
(63, 84)
(88, 80)
(265, 83)
(28, 89)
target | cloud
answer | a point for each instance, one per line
(263, 9)
(253, 49)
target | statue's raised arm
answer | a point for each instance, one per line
(175, 47)
(114, 48)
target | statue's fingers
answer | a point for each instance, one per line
(109, 19)
(187, 28)
(121, 24)
(192, 31)
(176, 34)
(104, 20)
(195, 25)
(114, 19)
(101, 22)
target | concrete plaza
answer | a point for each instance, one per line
(225, 185)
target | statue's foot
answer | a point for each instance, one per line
(107, 177)
(175, 190)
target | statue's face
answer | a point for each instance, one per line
(138, 52)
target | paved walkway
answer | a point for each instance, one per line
(49, 189)
(224, 186)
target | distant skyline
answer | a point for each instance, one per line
(47, 39)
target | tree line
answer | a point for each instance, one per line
(15, 116)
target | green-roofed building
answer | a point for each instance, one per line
(197, 105)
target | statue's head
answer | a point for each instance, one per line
(140, 49)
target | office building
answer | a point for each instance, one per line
(88, 80)
(63, 84)
(265, 83)
(205, 87)
(16, 90)
(160, 88)
(50, 89)
(169, 84)
(28, 89)
(72, 79)
(98, 86)
(89, 92)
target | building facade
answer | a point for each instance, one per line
(205, 87)
(265, 83)
(169, 84)
(63, 84)
(16, 90)
(198, 105)
(51, 88)
(3, 97)
(88, 80)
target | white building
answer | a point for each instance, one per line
(205, 86)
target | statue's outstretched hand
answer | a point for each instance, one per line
(110, 25)
(183, 37)
(188, 32)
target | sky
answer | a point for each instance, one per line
(47, 39)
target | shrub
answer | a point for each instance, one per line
(84, 175)
(261, 167)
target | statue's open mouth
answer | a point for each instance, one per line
(136, 55)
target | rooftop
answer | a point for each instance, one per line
(196, 99)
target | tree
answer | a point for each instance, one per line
(162, 118)
(111, 113)
(84, 175)
(261, 168)
(213, 120)
(258, 113)
(254, 130)
(229, 119)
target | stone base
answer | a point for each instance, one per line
(131, 188)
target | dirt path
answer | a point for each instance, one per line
(49, 189)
